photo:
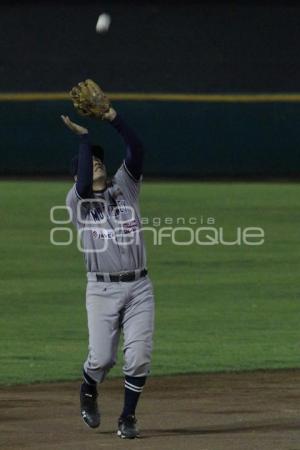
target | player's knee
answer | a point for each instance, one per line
(102, 362)
(137, 360)
(105, 364)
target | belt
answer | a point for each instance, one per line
(123, 276)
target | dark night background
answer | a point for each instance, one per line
(152, 46)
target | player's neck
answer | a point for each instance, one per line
(99, 185)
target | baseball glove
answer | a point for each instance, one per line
(89, 99)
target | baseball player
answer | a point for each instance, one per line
(119, 295)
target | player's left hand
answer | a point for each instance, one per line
(77, 129)
(89, 99)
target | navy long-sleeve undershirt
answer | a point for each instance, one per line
(134, 147)
(133, 159)
(84, 182)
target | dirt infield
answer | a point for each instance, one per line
(259, 410)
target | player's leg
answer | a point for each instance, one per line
(102, 304)
(138, 325)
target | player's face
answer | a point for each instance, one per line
(99, 170)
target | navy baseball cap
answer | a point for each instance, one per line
(97, 151)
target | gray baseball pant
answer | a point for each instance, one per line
(112, 307)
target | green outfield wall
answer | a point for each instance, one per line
(182, 138)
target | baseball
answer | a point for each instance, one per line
(103, 23)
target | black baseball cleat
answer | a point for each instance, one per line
(88, 405)
(127, 428)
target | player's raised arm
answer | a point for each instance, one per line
(89, 100)
(84, 172)
(134, 148)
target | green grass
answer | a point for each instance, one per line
(217, 307)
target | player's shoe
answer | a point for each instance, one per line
(88, 405)
(127, 428)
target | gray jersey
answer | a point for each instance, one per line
(109, 225)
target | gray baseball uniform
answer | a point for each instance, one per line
(109, 229)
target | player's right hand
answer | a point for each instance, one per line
(110, 114)
(77, 129)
